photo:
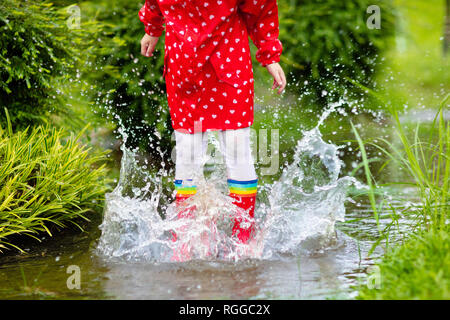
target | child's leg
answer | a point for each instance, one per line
(242, 180)
(190, 150)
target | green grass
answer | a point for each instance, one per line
(414, 75)
(418, 269)
(48, 180)
(425, 160)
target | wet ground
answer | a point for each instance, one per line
(331, 273)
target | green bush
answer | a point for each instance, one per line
(326, 41)
(39, 56)
(129, 88)
(47, 180)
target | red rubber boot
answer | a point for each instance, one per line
(183, 212)
(242, 228)
(181, 253)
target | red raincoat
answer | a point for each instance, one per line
(207, 61)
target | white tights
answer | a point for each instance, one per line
(234, 144)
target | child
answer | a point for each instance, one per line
(209, 82)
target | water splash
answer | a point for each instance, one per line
(307, 200)
(299, 211)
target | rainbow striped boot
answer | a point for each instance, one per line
(244, 195)
(184, 191)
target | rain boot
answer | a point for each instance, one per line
(244, 195)
(181, 253)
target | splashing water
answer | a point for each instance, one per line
(300, 212)
(307, 200)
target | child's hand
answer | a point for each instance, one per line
(279, 79)
(148, 44)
